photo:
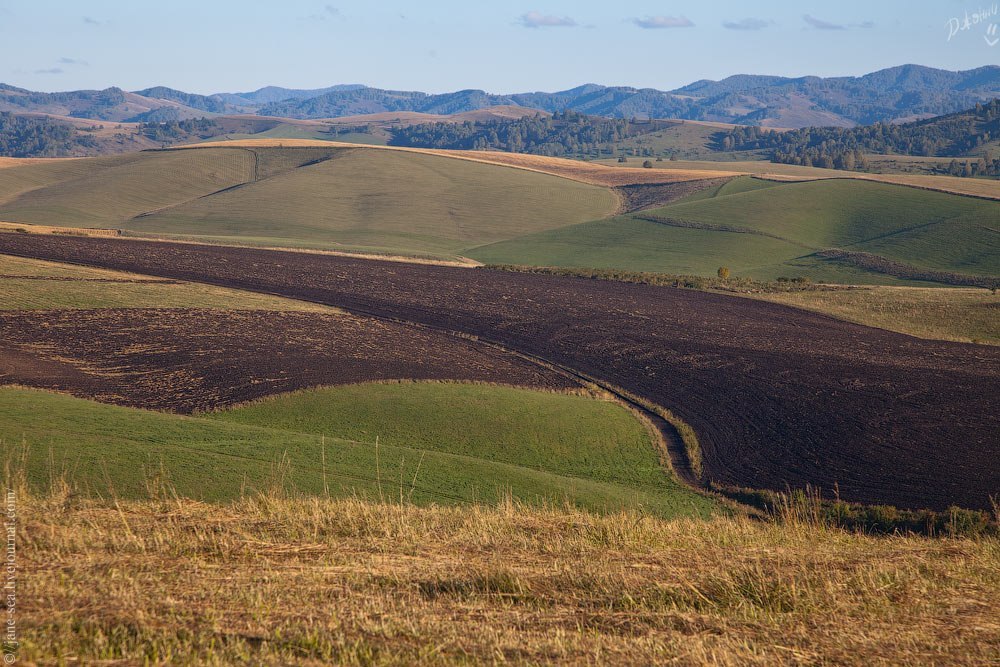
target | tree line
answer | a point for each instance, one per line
(562, 133)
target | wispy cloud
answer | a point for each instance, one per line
(73, 61)
(328, 12)
(50, 70)
(658, 22)
(747, 24)
(90, 20)
(820, 24)
(539, 20)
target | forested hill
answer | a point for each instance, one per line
(970, 133)
(22, 136)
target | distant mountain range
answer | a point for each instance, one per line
(902, 93)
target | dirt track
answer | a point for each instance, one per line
(778, 397)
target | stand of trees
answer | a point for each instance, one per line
(22, 136)
(960, 134)
(172, 131)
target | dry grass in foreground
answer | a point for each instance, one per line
(271, 580)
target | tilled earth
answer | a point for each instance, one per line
(187, 360)
(779, 397)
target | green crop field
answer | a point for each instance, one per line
(382, 201)
(764, 229)
(27, 284)
(443, 444)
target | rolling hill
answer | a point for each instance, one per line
(334, 198)
(506, 208)
(766, 229)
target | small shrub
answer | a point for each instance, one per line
(723, 272)
(647, 165)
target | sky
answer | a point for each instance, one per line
(211, 46)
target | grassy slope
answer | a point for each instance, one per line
(386, 201)
(116, 189)
(278, 581)
(100, 446)
(389, 201)
(542, 431)
(78, 287)
(967, 315)
(925, 229)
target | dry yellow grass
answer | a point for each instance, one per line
(269, 580)
(8, 162)
(45, 229)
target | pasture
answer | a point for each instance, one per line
(548, 454)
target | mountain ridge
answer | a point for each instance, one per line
(897, 93)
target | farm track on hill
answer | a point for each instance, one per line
(778, 397)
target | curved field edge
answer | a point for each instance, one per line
(103, 449)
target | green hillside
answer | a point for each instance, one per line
(386, 201)
(542, 447)
(765, 230)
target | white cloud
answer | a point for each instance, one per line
(539, 20)
(657, 22)
(747, 24)
(820, 24)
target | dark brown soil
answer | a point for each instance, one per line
(642, 196)
(186, 360)
(778, 397)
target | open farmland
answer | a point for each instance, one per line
(471, 435)
(762, 229)
(884, 417)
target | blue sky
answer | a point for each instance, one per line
(227, 46)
